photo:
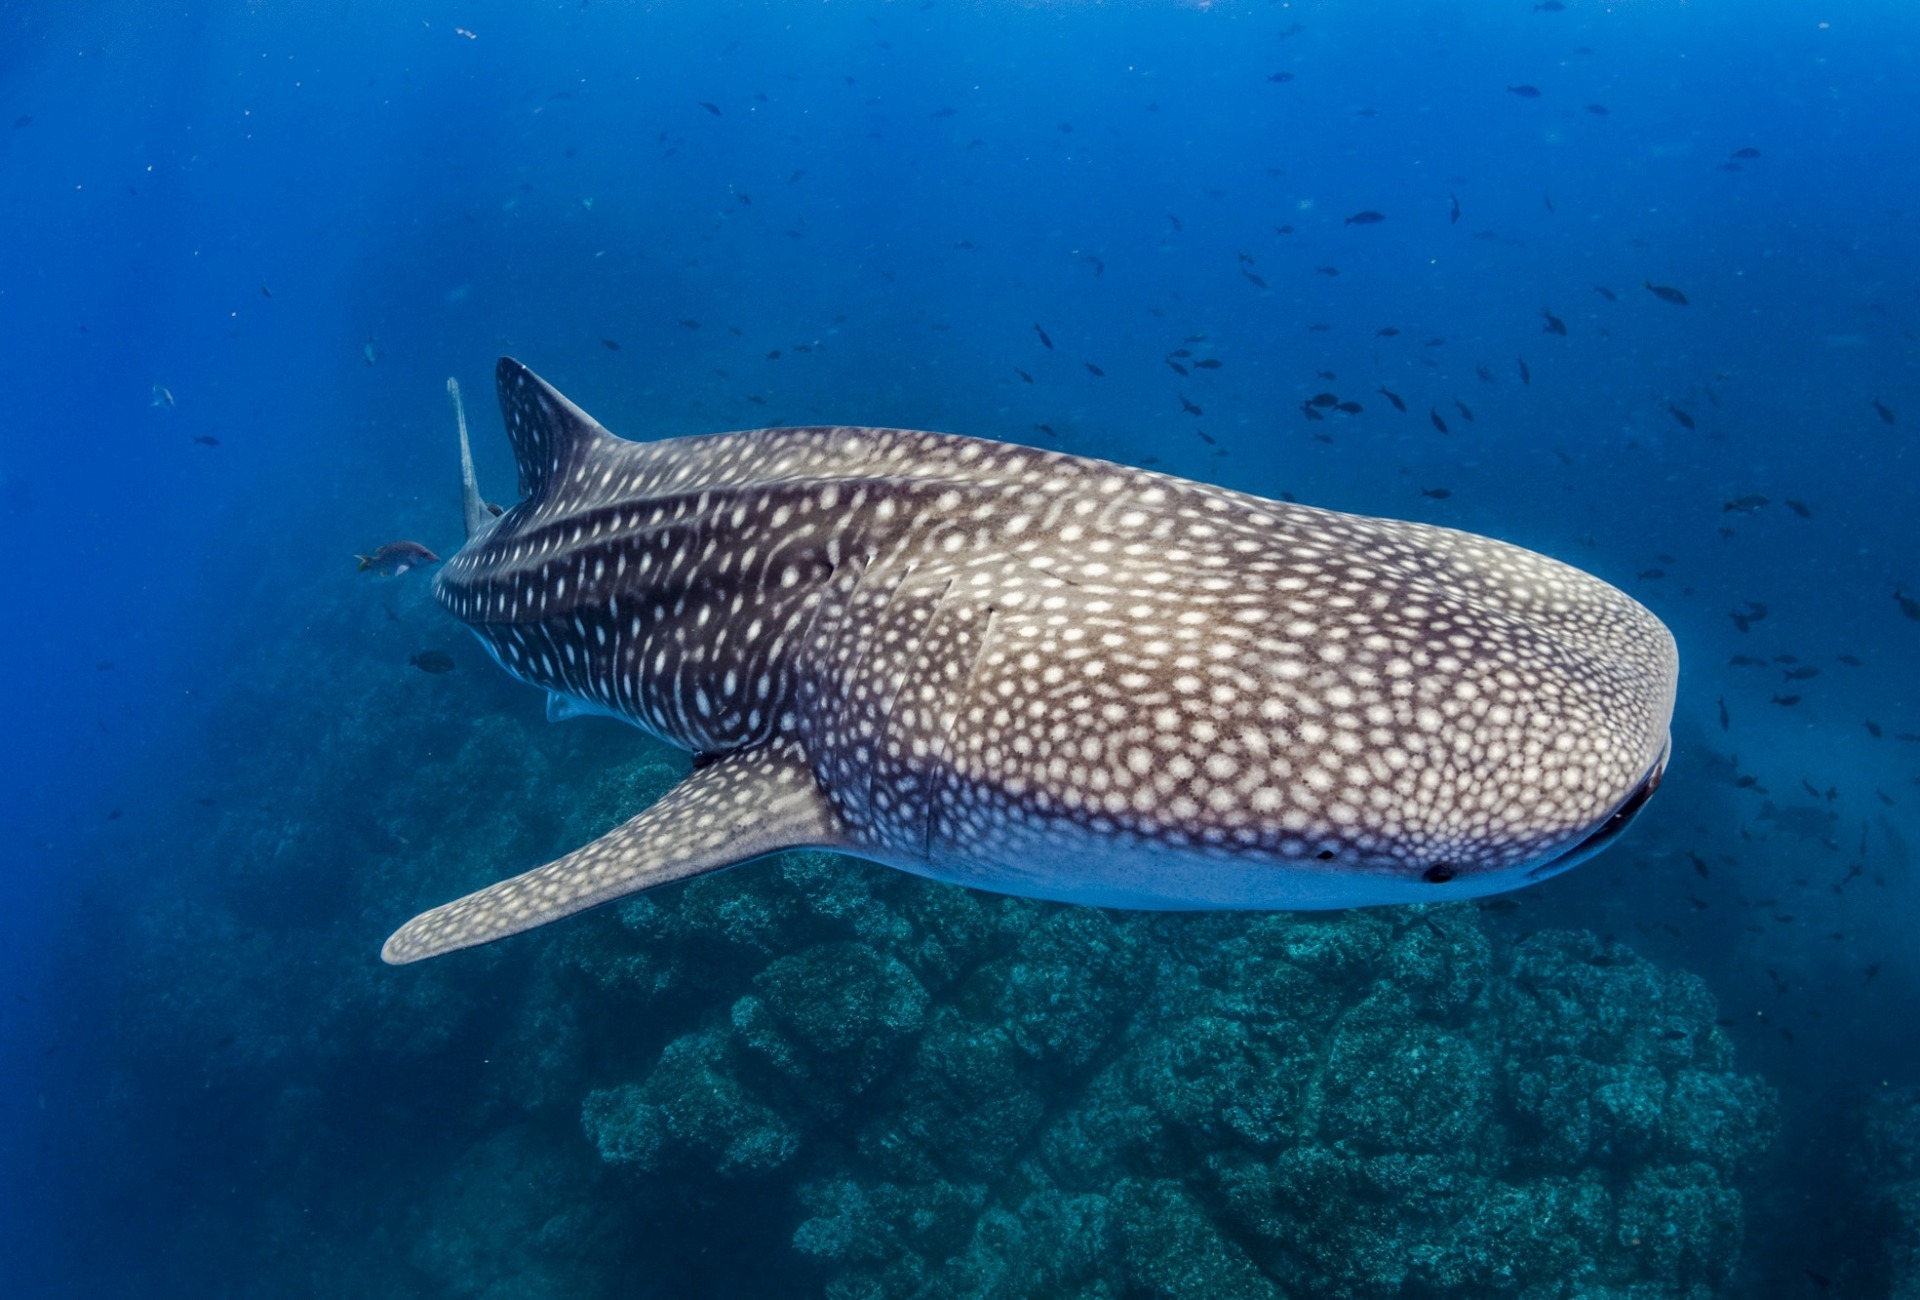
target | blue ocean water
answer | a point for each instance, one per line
(247, 244)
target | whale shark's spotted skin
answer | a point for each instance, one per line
(1047, 675)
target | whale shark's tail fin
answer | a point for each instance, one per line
(473, 506)
(550, 435)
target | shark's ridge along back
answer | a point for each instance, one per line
(1047, 675)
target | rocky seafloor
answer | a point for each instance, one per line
(815, 1076)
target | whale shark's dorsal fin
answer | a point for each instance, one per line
(473, 507)
(730, 809)
(550, 435)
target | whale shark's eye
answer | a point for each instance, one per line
(1437, 874)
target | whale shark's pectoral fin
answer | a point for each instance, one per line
(730, 810)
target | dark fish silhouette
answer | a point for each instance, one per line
(610, 345)
(1749, 153)
(690, 324)
(432, 661)
(711, 108)
(1438, 423)
(1745, 505)
(1526, 375)
(1799, 508)
(1258, 282)
(397, 558)
(1324, 400)
(1366, 218)
(1549, 6)
(1045, 342)
(1207, 363)
(206, 440)
(1606, 293)
(1554, 324)
(1024, 376)
(1438, 494)
(1908, 605)
(1188, 407)
(1785, 701)
(1454, 217)
(1598, 110)
(1885, 413)
(1752, 612)
(1464, 410)
(1350, 407)
(1175, 366)
(1486, 373)
(1525, 92)
(1666, 293)
(1393, 397)
(1094, 370)
(1686, 421)
(1327, 270)
(1281, 77)
(1725, 722)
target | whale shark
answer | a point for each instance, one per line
(1043, 674)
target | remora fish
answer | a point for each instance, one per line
(1045, 675)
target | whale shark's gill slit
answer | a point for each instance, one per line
(938, 759)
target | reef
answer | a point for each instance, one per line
(978, 1096)
(1889, 1163)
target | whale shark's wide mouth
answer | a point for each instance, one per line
(1608, 830)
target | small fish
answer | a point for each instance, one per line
(1549, 6)
(1873, 728)
(1745, 505)
(1598, 110)
(1174, 218)
(1283, 230)
(1453, 218)
(1318, 327)
(161, 397)
(1686, 421)
(1175, 366)
(1748, 153)
(1753, 611)
(795, 178)
(1851, 661)
(1526, 375)
(22, 122)
(1908, 605)
(1699, 865)
(1804, 673)
(1094, 370)
(1438, 494)
(206, 440)
(1725, 721)
(1524, 91)
(104, 666)
(1785, 701)
(1257, 281)
(397, 558)
(1486, 373)
(1045, 342)
(432, 661)
(1046, 429)
(689, 323)
(943, 111)
(1799, 508)
(711, 108)
(1350, 407)
(1393, 397)
(1386, 332)
(1365, 218)
(1207, 363)
(1438, 423)
(265, 292)
(1188, 407)
(1324, 400)
(1307, 409)
(1554, 324)
(1464, 409)
(1024, 376)
(1327, 270)
(611, 345)
(1205, 437)
(1666, 293)
(1281, 77)
(1099, 267)
(1651, 575)
(1884, 411)
(1606, 293)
